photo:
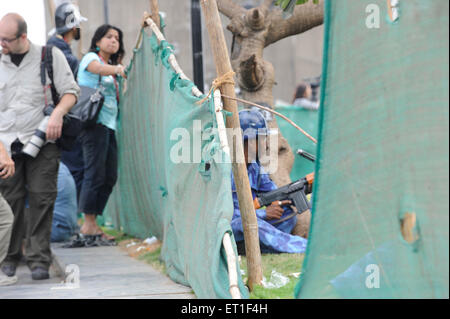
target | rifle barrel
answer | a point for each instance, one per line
(306, 155)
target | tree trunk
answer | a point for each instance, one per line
(253, 30)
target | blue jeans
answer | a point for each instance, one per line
(64, 223)
(100, 168)
(73, 159)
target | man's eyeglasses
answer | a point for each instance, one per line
(5, 40)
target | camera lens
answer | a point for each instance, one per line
(33, 147)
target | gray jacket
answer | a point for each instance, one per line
(22, 98)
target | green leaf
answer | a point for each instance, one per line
(288, 6)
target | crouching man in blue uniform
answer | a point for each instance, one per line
(274, 236)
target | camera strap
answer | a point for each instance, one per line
(47, 64)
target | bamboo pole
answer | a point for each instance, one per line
(249, 221)
(154, 9)
(232, 269)
(80, 41)
(51, 9)
(172, 60)
(221, 123)
(226, 241)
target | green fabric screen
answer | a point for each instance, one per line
(308, 121)
(383, 152)
(187, 205)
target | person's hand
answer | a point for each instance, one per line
(275, 210)
(7, 168)
(55, 124)
(120, 70)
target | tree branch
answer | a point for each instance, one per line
(229, 8)
(306, 16)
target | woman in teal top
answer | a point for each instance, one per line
(99, 142)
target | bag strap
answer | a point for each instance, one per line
(47, 64)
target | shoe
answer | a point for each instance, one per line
(39, 273)
(7, 280)
(9, 270)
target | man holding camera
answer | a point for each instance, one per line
(22, 102)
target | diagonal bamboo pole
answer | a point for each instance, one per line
(172, 60)
(276, 113)
(249, 221)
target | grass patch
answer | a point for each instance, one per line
(153, 259)
(285, 264)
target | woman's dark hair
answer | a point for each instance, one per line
(299, 92)
(101, 31)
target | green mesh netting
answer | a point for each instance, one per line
(308, 121)
(187, 205)
(384, 152)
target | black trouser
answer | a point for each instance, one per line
(35, 179)
(100, 168)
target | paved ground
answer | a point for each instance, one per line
(104, 272)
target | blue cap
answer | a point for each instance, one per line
(252, 124)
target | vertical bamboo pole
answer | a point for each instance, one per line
(80, 41)
(80, 47)
(51, 9)
(223, 66)
(154, 9)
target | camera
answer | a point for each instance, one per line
(33, 147)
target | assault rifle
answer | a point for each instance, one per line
(295, 192)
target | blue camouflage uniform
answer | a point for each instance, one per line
(273, 238)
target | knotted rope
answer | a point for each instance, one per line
(227, 78)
